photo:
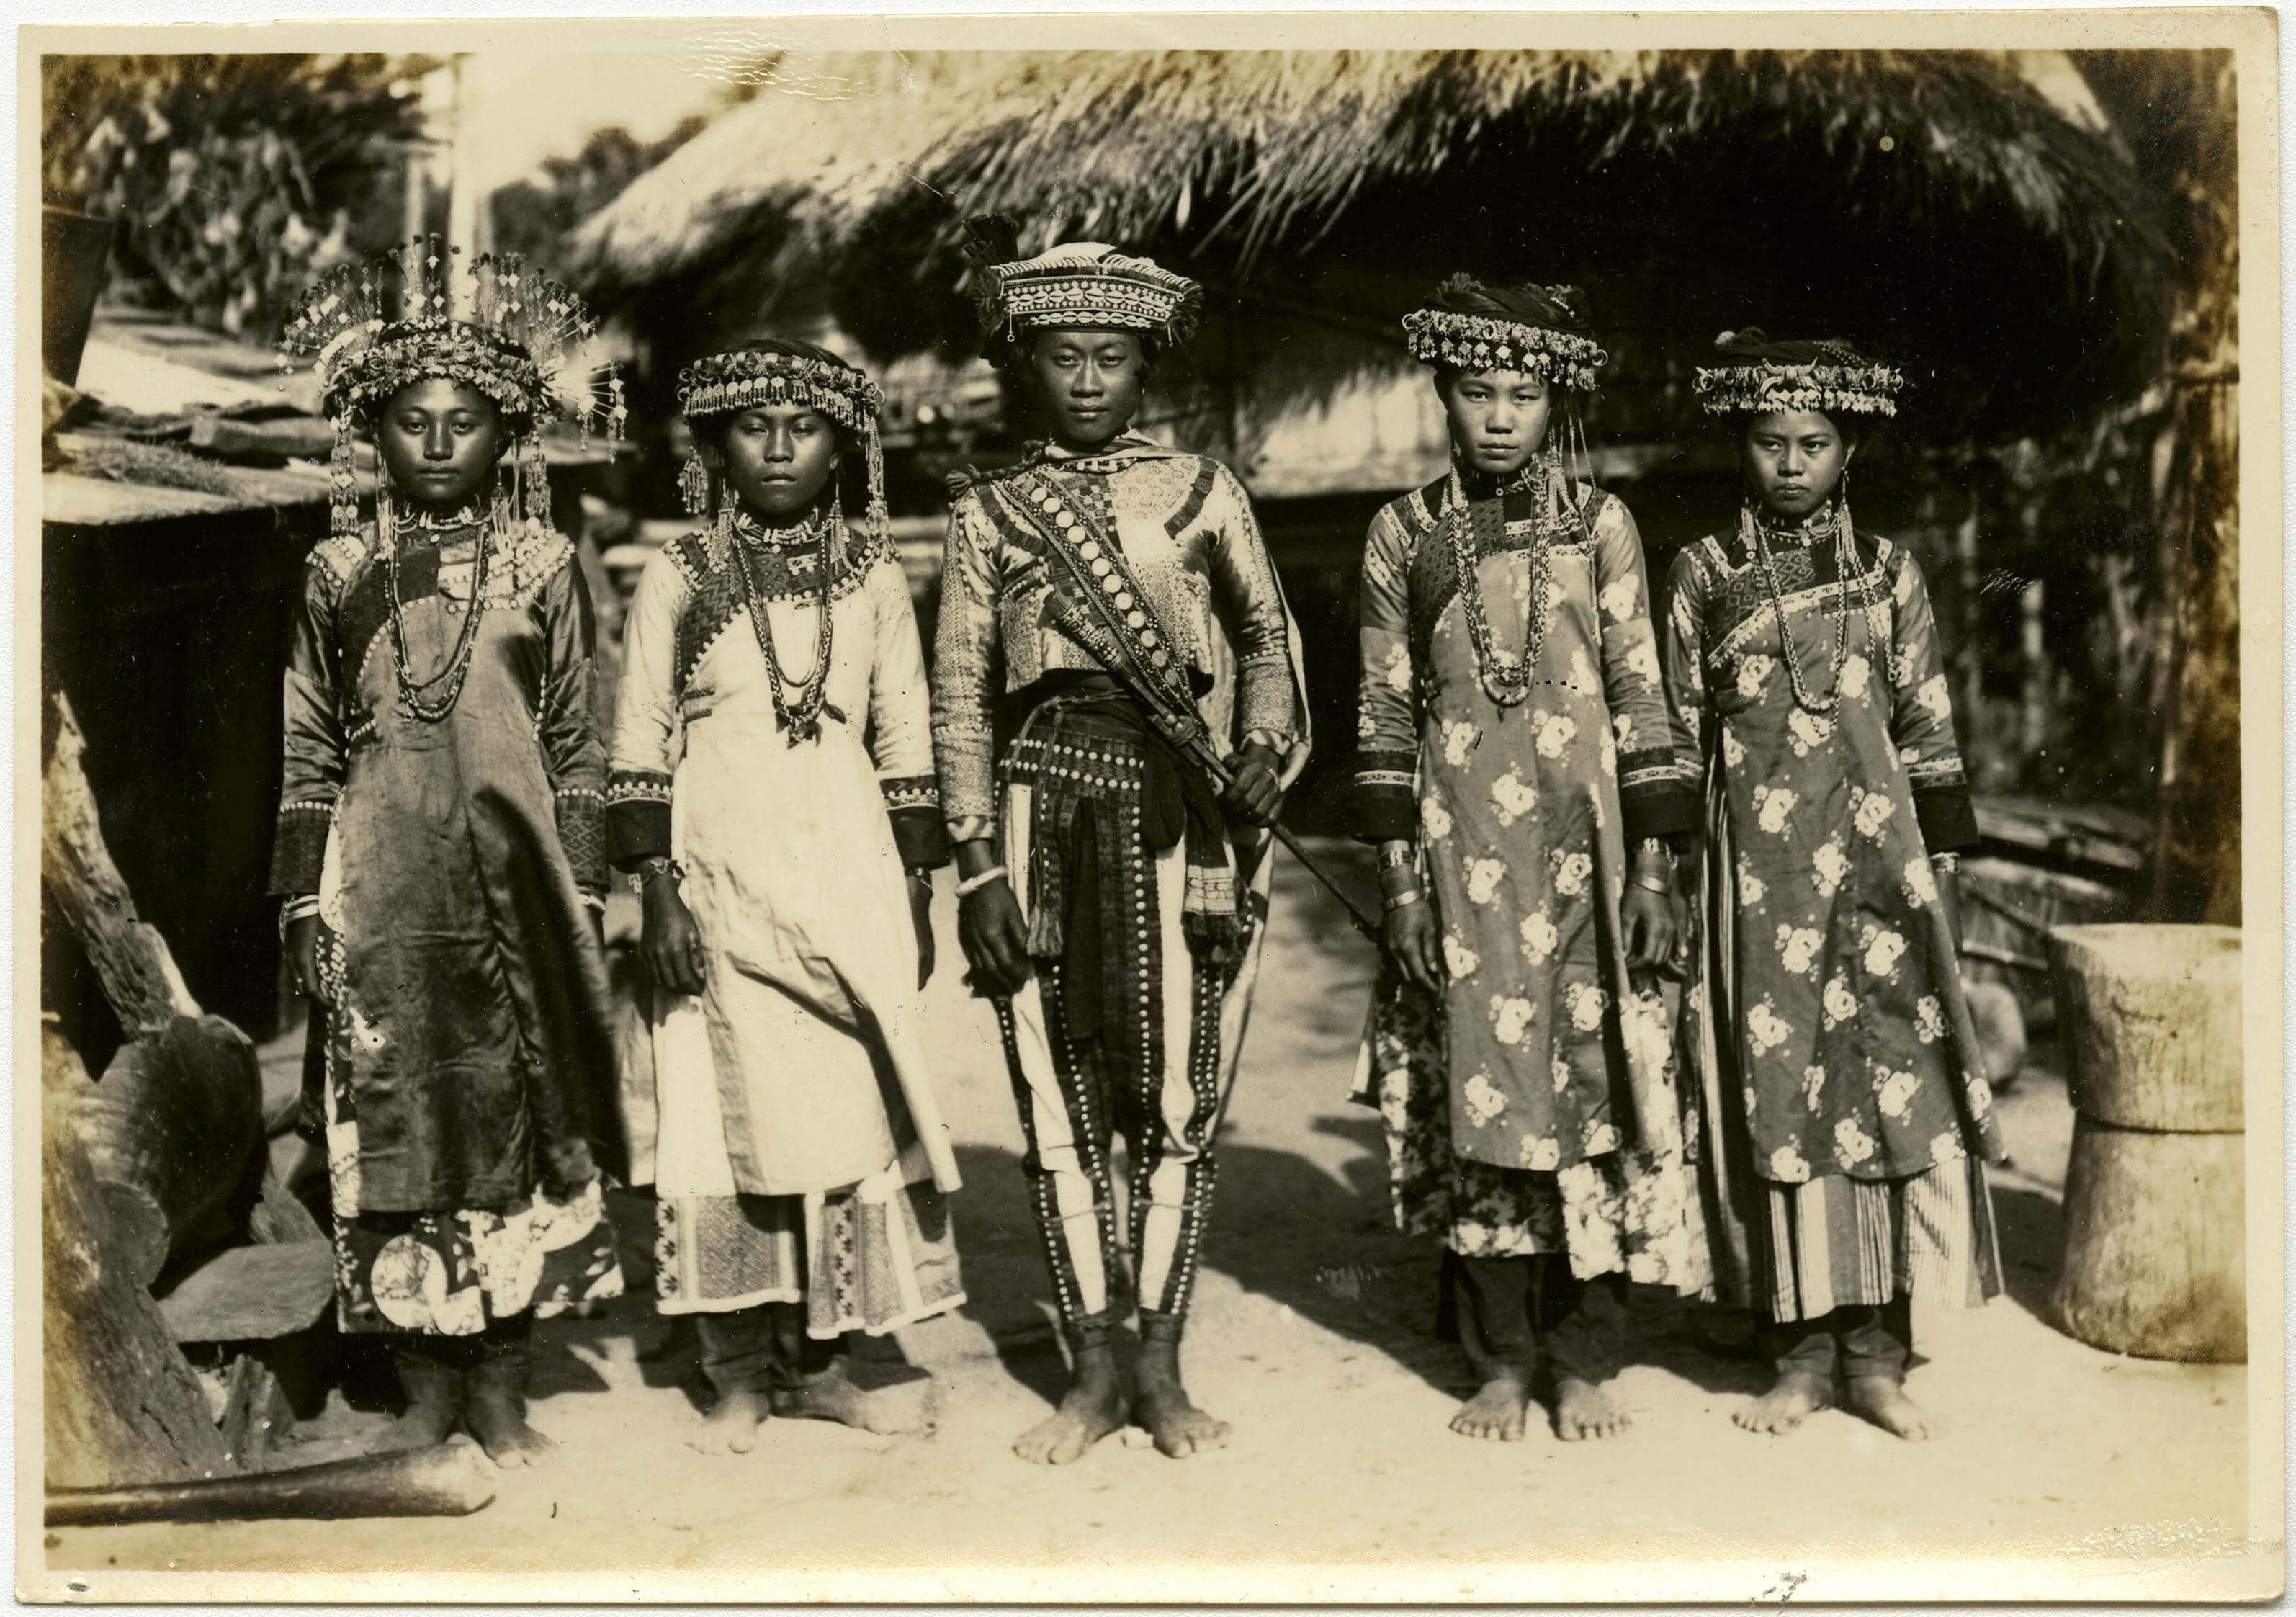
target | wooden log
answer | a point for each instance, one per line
(131, 959)
(120, 1404)
(2155, 1245)
(2150, 1019)
(450, 1479)
(170, 1133)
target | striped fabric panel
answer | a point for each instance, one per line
(1837, 1241)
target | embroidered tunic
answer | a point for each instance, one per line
(1543, 1059)
(801, 1154)
(1145, 932)
(468, 1057)
(1188, 533)
(1835, 997)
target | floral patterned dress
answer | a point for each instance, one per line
(1532, 1109)
(1847, 1105)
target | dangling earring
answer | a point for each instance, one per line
(693, 485)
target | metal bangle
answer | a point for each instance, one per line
(1395, 857)
(1947, 862)
(1648, 885)
(973, 885)
(1405, 899)
(658, 865)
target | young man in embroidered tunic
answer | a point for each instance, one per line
(441, 844)
(1516, 776)
(1104, 599)
(1847, 1112)
(801, 1160)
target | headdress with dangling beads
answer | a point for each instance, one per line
(783, 371)
(501, 326)
(1758, 376)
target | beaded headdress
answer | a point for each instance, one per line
(1525, 328)
(1761, 375)
(501, 326)
(1087, 285)
(782, 371)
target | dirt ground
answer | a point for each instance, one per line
(1313, 1333)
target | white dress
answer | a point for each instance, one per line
(800, 1153)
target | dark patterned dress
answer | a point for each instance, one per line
(468, 1062)
(1848, 1116)
(1532, 1109)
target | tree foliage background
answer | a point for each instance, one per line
(232, 180)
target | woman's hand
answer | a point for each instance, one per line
(1650, 922)
(303, 949)
(1255, 789)
(994, 938)
(1410, 934)
(671, 944)
(920, 917)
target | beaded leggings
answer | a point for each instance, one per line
(1146, 1061)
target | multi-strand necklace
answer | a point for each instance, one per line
(1755, 534)
(415, 694)
(800, 716)
(1506, 680)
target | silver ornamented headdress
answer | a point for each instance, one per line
(504, 328)
(784, 372)
(1510, 328)
(1087, 285)
(1761, 375)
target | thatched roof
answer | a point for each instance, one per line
(1936, 202)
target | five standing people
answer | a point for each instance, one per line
(1118, 706)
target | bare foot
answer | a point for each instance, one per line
(495, 1415)
(732, 1424)
(1881, 1399)
(1786, 1406)
(1162, 1408)
(418, 1428)
(1093, 1409)
(1169, 1415)
(1498, 1411)
(1583, 1410)
(904, 1405)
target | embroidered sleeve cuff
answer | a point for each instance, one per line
(972, 827)
(299, 850)
(582, 833)
(1386, 796)
(1946, 817)
(918, 833)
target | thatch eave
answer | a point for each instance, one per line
(1936, 196)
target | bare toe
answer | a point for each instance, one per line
(1584, 1411)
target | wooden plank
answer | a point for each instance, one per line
(257, 1418)
(120, 1404)
(251, 1293)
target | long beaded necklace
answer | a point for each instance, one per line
(801, 717)
(413, 692)
(1507, 681)
(1755, 534)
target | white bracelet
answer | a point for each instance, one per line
(973, 885)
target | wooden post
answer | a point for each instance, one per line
(2155, 1223)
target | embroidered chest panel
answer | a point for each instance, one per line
(713, 591)
(1432, 568)
(1806, 575)
(520, 564)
